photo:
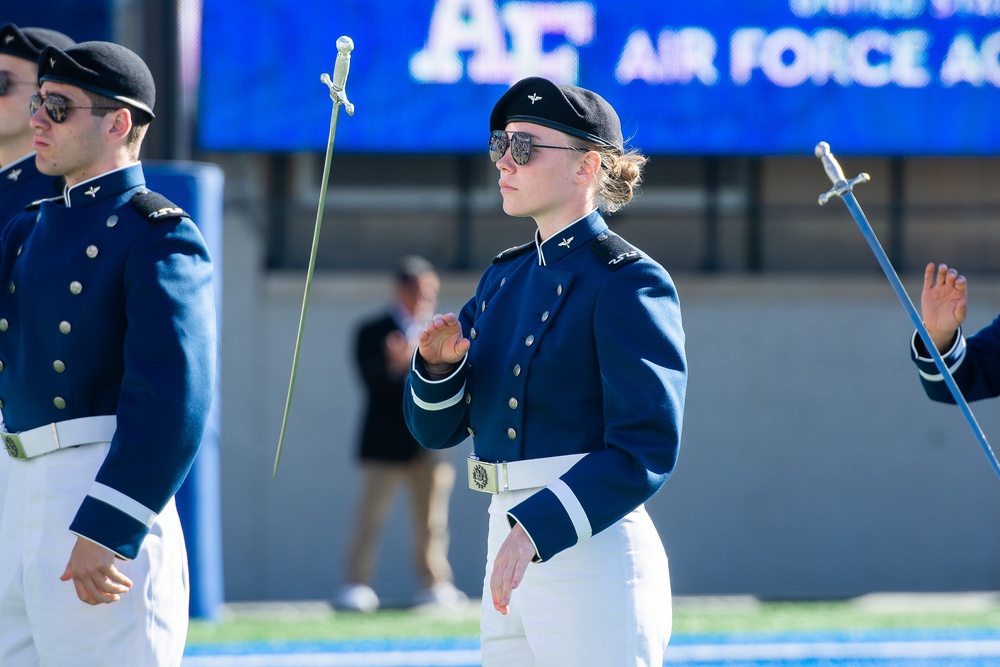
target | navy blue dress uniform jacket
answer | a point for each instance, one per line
(21, 184)
(107, 308)
(576, 347)
(384, 435)
(973, 362)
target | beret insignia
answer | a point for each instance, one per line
(155, 207)
(511, 253)
(615, 251)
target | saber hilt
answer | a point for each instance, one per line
(836, 174)
(340, 69)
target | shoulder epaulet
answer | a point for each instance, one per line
(155, 207)
(510, 253)
(614, 251)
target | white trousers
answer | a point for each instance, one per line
(42, 622)
(603, 603)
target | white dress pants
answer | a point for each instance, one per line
(604, 602)
(42, 622)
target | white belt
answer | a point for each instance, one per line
(514, 475)
(60, 435)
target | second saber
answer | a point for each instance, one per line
(845, 190)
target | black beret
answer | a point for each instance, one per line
(28, 43)
(576, 111)
(104, 68)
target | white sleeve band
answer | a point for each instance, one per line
(957, 352)
(424, 405)
(123, 503)
(573, 507)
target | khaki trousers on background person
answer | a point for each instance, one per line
(430, 479)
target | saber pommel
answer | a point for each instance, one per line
(836, 174)
(340, 69)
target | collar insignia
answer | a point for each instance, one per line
(534, 98)
(93, 190)
(14, 174)
(565, 242)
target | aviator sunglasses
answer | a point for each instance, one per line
(7, 82)
(520, 146)
(55, 106)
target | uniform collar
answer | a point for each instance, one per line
(106, 185)
(18, 172)
(569, 238)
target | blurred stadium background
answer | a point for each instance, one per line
(812, 465)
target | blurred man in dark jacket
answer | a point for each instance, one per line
(389, 455)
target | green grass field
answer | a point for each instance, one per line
(691, 616)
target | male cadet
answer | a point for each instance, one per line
(20, 181)
(107, 351)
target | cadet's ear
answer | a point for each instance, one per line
(120, 124)
(590, 164)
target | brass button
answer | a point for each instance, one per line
(484, 307)
(59, 366)
(112, 221)
(559, 290)
(75, 287)
(473, 333)
(503, 280)
(545, 316)
(529, 340)
(65, 327)
(512, 403)
(59, 402)
(1, 367)
(517, 369)
(468, 398)
(4, 324)
(92, 251)
(511, 433)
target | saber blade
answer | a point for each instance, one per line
(342, 66)
(844, 189)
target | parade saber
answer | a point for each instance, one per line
(340, 69)
(845, 190)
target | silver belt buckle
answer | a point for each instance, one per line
(483, 476)
(12, 443)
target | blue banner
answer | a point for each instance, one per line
(738, 77)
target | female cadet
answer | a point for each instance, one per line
(567, 368)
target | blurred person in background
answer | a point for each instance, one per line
(20, 181)
(567, 368)
(390, 457)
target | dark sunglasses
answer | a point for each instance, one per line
(520, 146)
(7, 82)
(55, 106)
